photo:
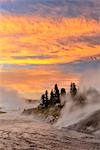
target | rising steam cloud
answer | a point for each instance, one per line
(74, 112)
(10, 99)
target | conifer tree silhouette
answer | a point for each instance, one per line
(51, 98)
(57, 94)
(73, 89)
(42, 100)
(46, 99)
(63, 91)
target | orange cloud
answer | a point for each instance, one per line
(35, 36)
(35, 81)
(37, 40)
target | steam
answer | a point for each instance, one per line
(90, 79)
(10, 99)
(74, 111)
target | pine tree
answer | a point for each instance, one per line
(57, 94)
(73, 89)
(46, 99)
(42, 100)
(52, 98)
(63, 91)
(46, 94)
(63, 97)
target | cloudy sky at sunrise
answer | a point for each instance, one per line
(43, 42)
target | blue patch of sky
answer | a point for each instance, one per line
(14, 66)
(79, 66)
(67, 8)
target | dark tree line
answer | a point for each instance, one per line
(55, 94)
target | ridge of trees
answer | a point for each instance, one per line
(54, 98)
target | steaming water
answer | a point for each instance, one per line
(73, 113)
(10, 100)
(23, 132)
(32, 132)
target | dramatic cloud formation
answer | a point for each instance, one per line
(58, 41)
(47, 41)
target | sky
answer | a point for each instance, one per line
(43, 42)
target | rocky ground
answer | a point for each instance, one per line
(30, 133)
